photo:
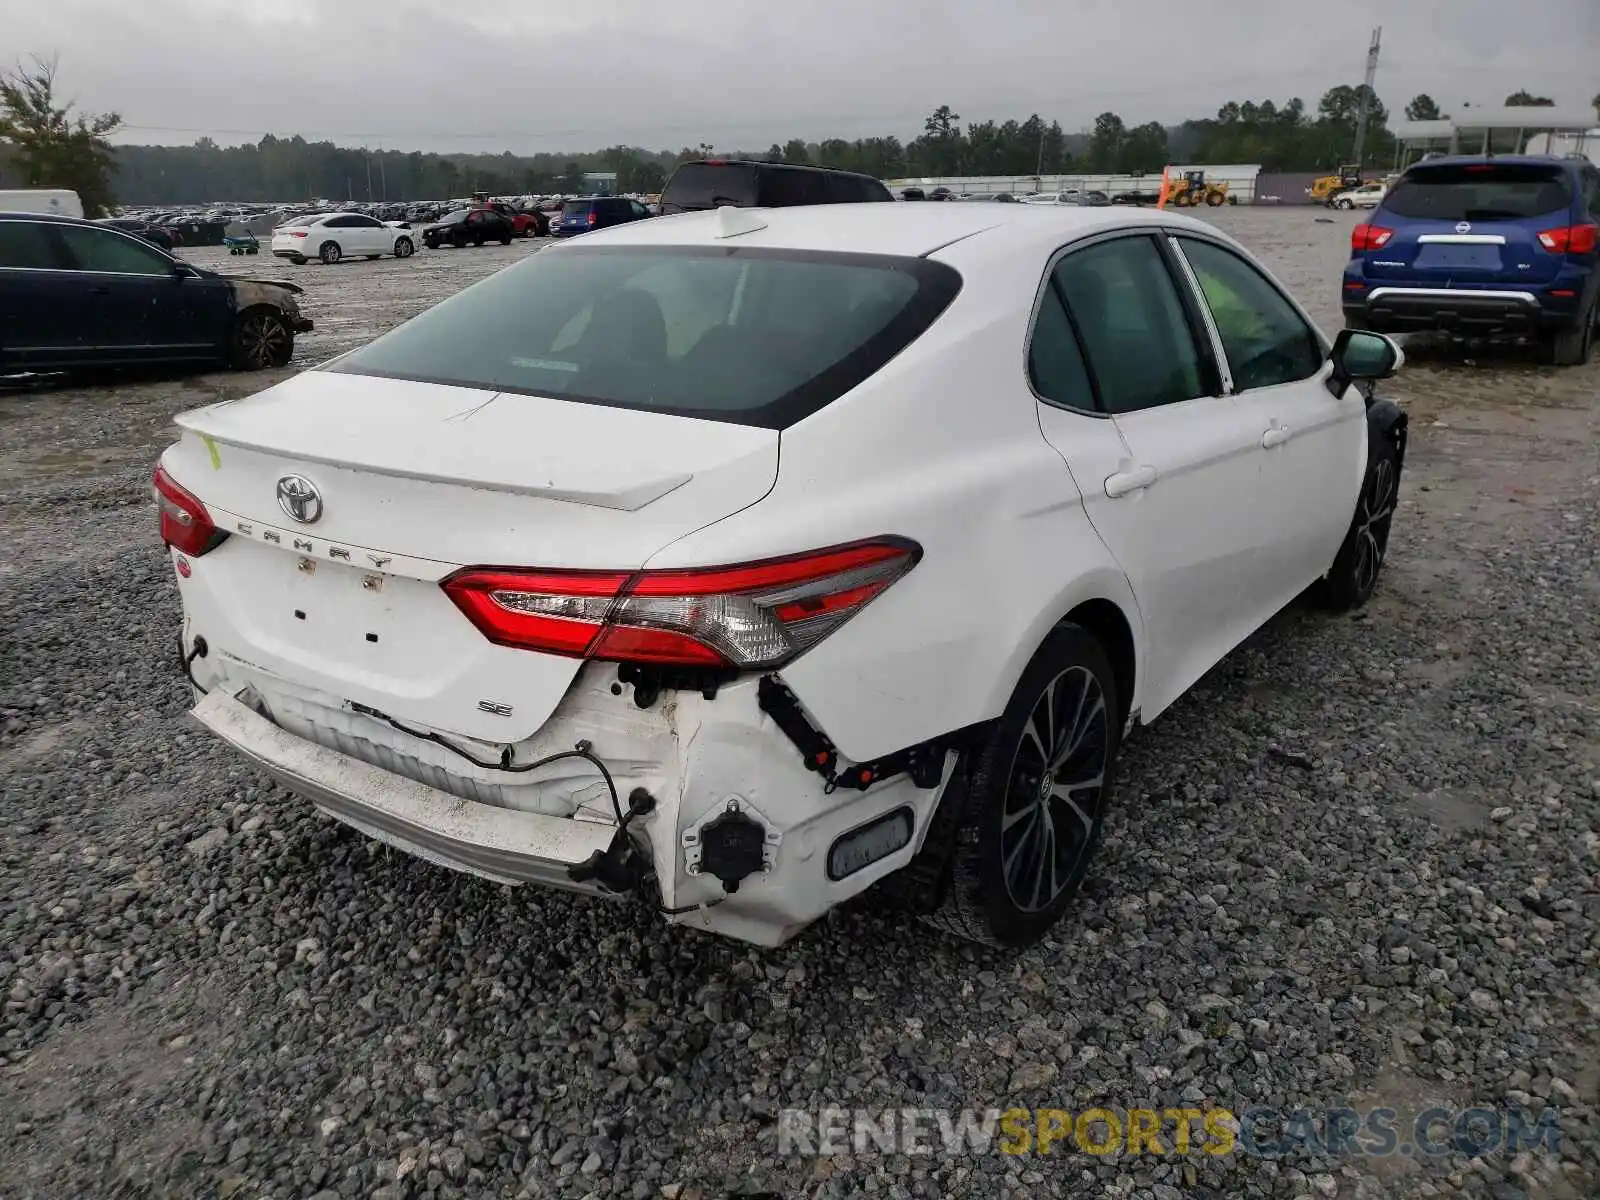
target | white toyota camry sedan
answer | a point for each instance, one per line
(750, 558)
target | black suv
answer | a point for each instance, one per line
(713, 182)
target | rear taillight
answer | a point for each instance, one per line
(746, 617)
(1369, 237)
(297, 233)
(185, 523)
(593, 217)
(1574, 239)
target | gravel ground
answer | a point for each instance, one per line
(1359, 863)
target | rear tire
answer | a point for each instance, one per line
(330, 253)
(1572, 347)
(1040, 783)
(1353, 577)
(1345, 204)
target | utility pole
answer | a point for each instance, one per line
(1366, 95)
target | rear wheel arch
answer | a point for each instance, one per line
(1109, 626)
(1103, 605)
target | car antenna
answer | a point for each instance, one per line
(731, 222)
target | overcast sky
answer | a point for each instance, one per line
(579, 74)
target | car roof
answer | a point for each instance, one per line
(52, 218)
(1499, 160)
(757, 162)
(907, 230)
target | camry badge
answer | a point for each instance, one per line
(299, 498)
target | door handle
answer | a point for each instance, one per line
(102, 290)
(1277, 435)
(1125, 483)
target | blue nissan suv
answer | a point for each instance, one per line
(1483, 247)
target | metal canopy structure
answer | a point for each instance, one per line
(1473, 131)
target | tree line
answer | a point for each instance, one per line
(43, 142)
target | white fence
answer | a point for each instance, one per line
(1240, 178)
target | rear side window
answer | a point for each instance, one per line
(1591, 192)
(738, 334)
(856, 189)
(695, 186)
(1055, 360)
(575, 208)
(782, 188)
(847, 189)
(1480, 192)
(26, 245)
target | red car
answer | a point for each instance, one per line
(526, 224)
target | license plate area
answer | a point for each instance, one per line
(387, 640)
(1459, 258)
(341, 607)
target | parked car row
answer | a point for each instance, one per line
(157, 235)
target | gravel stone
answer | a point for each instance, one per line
(1357, 864)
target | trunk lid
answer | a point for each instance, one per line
(414, 481)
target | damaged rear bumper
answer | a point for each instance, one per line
(700, 760)
(500, 844)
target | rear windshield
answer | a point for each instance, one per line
(1479, 192)
(575, 208)
(696, 186)
(739, 334)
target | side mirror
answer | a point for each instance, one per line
(1358, 355)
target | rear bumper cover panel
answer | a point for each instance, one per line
(1488, 312)
(500, 844)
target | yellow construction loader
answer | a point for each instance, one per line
(1192, 189)
(1326, 187)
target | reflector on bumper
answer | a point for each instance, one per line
(496, 843)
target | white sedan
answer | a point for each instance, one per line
(1368, 195)
(335, 236)
(525, 587)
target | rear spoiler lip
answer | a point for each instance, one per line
(630, 500)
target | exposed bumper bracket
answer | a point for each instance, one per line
(924, 762)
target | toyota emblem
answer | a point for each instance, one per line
(1464, 227)
(299, 497)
